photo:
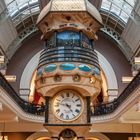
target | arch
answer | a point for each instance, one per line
(97, 135)
(110, 76)
(27, 74)
(39, 136)
(105, 65)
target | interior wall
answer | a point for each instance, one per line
(22, 56)
(115, 57)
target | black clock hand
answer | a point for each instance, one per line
(69, 106)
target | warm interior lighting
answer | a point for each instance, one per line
(10, 78)
(92, 138)
(1, 59)
(2, 136)
(43, 138)
(137, 60)
(32, 87)
(127, 79)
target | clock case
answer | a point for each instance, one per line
(82, 120)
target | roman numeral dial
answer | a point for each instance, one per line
(67, 105)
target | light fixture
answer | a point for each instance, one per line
(1, 59)
(137, 60)
(10, 78)
(127, 79)
(137, 106)
(2, 136)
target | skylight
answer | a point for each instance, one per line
(119, 8)
(17, 6)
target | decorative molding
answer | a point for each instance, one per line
(28, 73)
(22, 36)
(6, 100)
(123, 46)
(110, 76)
(129, 102)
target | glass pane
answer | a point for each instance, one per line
(106, 4)
(25, 13)
(35, 9)
(8, 1)
(124, 16)
(127, 8)
(118, 3)
(14, 6)
(11, 7)
(115, 9)
(131, 2)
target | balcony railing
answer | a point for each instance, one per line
(107, 108)
(69, 54)
(24, 105)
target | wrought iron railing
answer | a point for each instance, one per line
(106, 108)
(24, 105)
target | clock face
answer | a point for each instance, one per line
(67, 105)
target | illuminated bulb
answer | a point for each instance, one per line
(127, 79)
(137, 60)
(10, 78)
(92, 80)
(1, 59)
